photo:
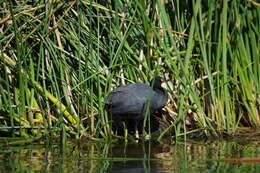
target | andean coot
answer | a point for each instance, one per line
(129, 102)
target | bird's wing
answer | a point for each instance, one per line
(116, 96)
(128, 99)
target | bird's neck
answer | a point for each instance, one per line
(156, 86)
(159, 89)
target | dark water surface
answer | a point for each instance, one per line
(202, 156)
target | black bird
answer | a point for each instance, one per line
(130, 102)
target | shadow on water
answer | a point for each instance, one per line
(210, 156)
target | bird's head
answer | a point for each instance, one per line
(157, 82)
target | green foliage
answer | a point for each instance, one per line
(59, 61)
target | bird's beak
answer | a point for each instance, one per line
(164, 84)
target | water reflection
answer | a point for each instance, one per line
(211, 156)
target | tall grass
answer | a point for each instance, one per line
(59, 61)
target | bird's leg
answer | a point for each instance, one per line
(136, 129)
(125, 130)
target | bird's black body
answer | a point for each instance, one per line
(130, 102)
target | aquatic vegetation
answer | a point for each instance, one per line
(59, 61)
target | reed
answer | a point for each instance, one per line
(59, 61)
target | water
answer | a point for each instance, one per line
(192, 156)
